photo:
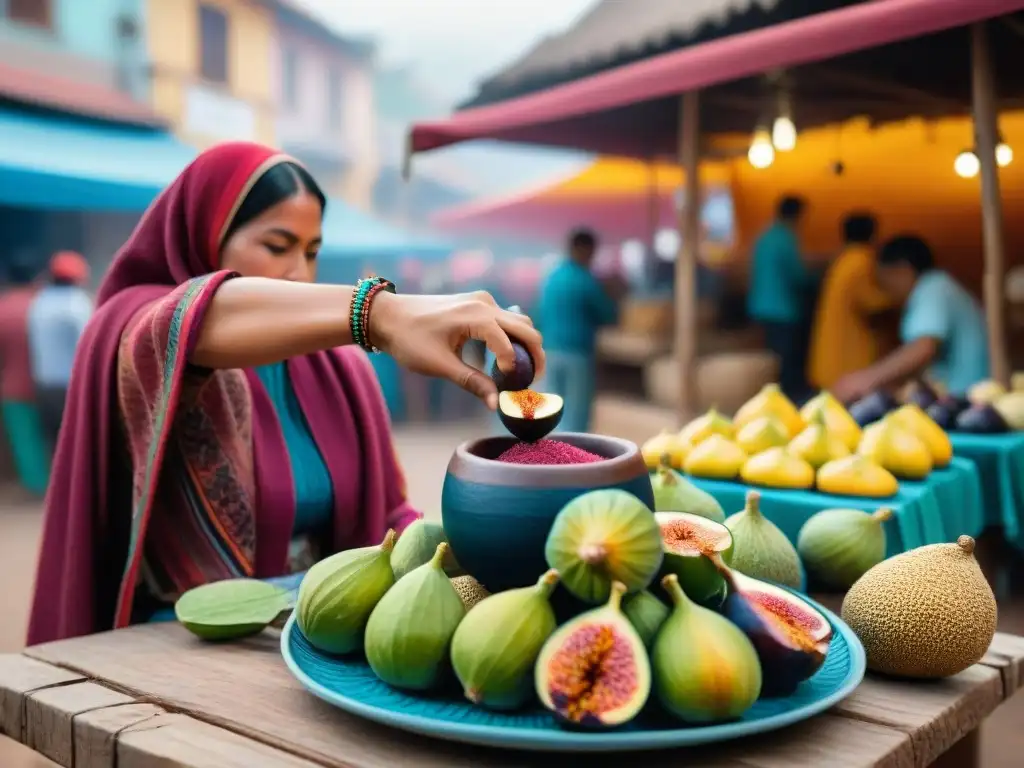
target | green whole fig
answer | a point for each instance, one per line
(760, 549)
(674, 493)
(646, 613)
(705, 670)
(838, 546)
(496, 646)
(410, 631)
(416, 546)
(338, 594)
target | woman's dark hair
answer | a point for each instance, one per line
(859, 228)
(790, 207)
(907, 249)
(279, 183)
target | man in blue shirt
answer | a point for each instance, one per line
(943, 327)
(56, 319)
(777, 298)
(572, 305)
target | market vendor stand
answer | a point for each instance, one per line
(155, 696)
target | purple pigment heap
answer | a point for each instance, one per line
(548, 452)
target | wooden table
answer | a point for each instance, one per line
(153, 696)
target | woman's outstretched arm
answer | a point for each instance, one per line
(255, 321)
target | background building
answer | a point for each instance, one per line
(211, 63)
(323, 90)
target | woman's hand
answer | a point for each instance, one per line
(426, 334)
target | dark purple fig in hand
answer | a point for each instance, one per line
(873, 407)
(521, 375)
(981, 420)
(790, 636)
(921, 394)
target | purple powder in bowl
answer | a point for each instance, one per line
(548, 452)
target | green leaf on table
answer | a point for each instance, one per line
(230, 609)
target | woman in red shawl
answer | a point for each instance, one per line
(222, 424)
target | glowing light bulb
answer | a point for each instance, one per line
(1004, 154)
(967, 165)
(783, 134)
(761, 153)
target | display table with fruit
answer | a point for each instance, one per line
(986, 427)
(877, 455)
(937, 509)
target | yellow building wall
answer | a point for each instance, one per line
(903, 174)
(173, 44)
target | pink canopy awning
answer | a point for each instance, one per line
(591, 114)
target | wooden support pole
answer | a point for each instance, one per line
(686, 259)
(986, 137)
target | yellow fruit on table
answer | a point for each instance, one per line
(770, 401)
(1017, 381)
(777, 468)
(1011, 408)
(896, 449)
(856, 476)
(985, 392)
(716, 457)
(816, 445)
(912, 418)
(838, 420)
(926, 613)
(761, 434)
(701, 428)
(664, 446)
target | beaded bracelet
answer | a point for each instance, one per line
(366, 291)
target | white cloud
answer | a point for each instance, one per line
(453, 43)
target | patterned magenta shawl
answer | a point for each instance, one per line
(210, 495)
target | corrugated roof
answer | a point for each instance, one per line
(616, 32)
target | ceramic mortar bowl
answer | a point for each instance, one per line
(497, 515)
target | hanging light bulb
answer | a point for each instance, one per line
(1004, 154)
(761, 153)
(784, 133)
(967, 165)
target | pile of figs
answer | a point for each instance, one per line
(666, 621)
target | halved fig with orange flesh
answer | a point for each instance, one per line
(690, 543)
(529, 415)
(594, 670)
(791, 637)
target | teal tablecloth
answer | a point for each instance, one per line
(1000, 462)
(936, 510)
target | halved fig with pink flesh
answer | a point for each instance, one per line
(690, 543)
(594, 671)
(791, 637)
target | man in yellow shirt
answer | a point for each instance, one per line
(843, 339)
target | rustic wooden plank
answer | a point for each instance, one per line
(19, 676)
(49, 716)
(182, 742)
(16, 755)
(245, 687)
(1007, 655)
(97, 732)
(936, 714)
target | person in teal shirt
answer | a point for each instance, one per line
(943, 327)
(777, 298)
(571, 307)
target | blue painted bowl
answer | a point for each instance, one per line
(497, 515)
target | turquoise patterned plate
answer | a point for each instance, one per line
(349, 684)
